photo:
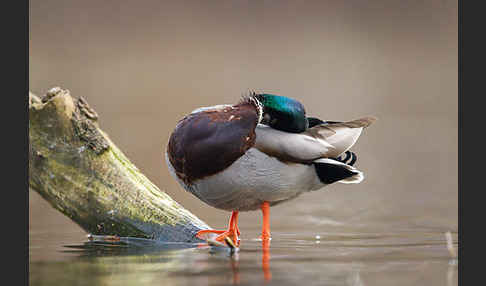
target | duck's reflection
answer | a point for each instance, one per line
(235, 268)
(158, 251)
(267, 274)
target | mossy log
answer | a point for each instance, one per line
(76, 167)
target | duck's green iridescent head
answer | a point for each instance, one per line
(283, 113)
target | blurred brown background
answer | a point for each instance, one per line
(143, 65)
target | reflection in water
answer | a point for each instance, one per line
(267, 274)
(235, 268)
(266, 259)
(234, 261)
(105, 248)
(339, 259)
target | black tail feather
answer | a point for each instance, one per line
(354, 158)
(329, 173)
(349, 155)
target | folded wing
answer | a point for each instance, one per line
(325, 140)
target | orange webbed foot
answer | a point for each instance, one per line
(231, 233)
(204, 234)
(222, 235)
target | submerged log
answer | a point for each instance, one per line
(76, 167)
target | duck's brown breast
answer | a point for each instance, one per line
(207, 142)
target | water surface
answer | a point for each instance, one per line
(403, 258)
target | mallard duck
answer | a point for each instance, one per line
(258, 153)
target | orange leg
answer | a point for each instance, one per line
(266, 221)
(236, 224)
(232, 232)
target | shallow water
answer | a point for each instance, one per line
(401, 258)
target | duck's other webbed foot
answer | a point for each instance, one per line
(229, 236)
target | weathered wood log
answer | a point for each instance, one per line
(76, 167)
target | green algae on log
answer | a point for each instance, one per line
(76, 168)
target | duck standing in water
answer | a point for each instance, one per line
(258, 153)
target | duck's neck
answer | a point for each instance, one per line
(252, 100)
